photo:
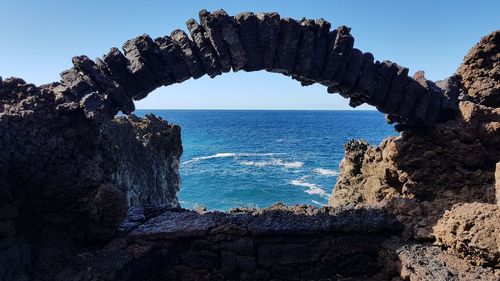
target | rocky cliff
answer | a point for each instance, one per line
(66, 182)
(422, 174)
(146, 154)
(440, 182)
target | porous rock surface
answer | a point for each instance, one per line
(471, 231)
(420, 175)
(480, 71)
(408, 260)
(497, 185)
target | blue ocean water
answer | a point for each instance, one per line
(235, 158)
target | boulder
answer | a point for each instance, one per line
(471, 231)
(479, 71)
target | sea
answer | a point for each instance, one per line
(256, 158)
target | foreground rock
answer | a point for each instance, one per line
(497, 185)
(406, 260)
(278, 243)
(66, 182)
(471, 231)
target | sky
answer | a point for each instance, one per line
(39, 38)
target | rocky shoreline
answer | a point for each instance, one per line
(86, 195)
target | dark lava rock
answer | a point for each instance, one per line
(191, 57)
(206, 52)
(268, 27)
(287, 47)
(249, 37)
(116, 67)
(173, 59)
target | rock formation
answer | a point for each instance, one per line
(65, 180)
(278, 243)
(86, 195)
(422, 173)
(147, 152)
(306, 50)
(471, 231)
(480, 69)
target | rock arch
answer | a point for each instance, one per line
(63, 205)
(306, 50)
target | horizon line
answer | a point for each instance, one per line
(259, 109)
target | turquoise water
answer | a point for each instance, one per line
(235, 158)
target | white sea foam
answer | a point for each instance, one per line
(326, 172)
(225, 155)
(318, 203)
(255, 163)
(218, 155)
(274, 162)
(312, 188)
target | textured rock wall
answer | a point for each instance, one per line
(439, 183)
(408, 260)
(146, 153)
(306, 50)
(65, 180)
(422, 173)
(278, 243)
(471, 231)
(480, 71)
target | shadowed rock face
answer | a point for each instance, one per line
(70, 170)
(276, 243)
(147, 153)
(66, 182)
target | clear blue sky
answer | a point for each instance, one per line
(40, 37)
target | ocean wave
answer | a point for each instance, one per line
(274, 162)
(312, 188)
(218, 155)
(318, 203)
(326, 172)
(225, 155)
